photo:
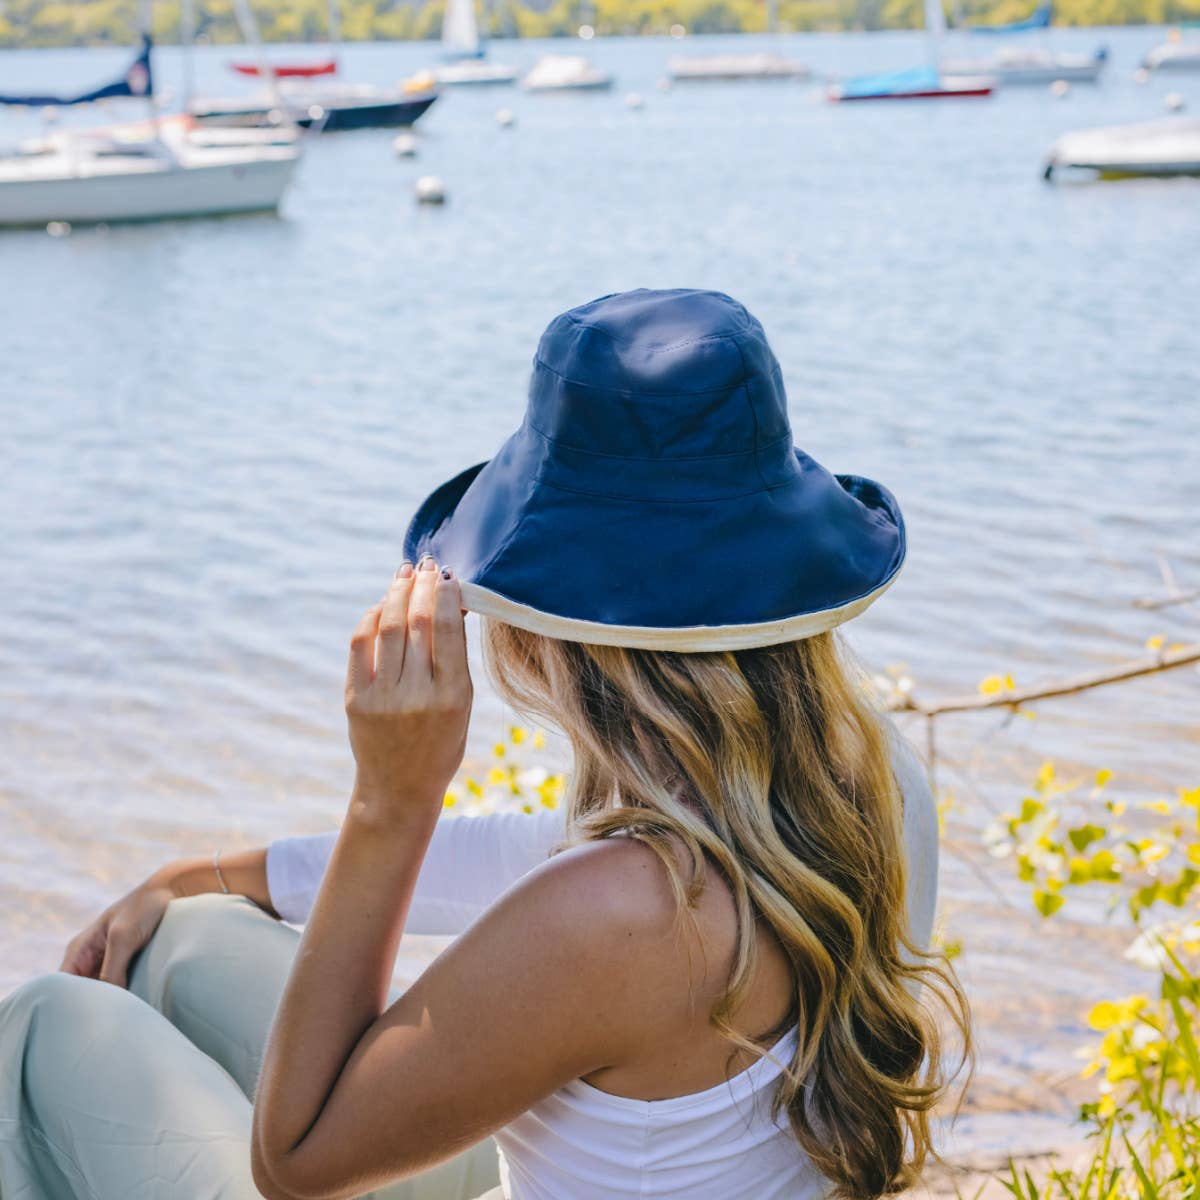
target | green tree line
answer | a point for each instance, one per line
(109, 22)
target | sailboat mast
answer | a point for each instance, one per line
(187, 41)
(335, 27)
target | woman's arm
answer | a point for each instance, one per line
(105, 948)
(536, 993)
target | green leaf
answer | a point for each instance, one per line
(1047, 903)
(1085, 835)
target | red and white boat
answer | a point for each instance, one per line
(327, 66)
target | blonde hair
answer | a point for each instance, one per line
(771, 764)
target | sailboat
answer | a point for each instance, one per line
(104, 175)
(465, 55)
(311, 103)
(1029, 65)
(294, 70)
(917, 83)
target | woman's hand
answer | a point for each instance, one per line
(408, 696)
(104, 949)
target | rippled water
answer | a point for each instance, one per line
(214, 433)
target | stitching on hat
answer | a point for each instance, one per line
(679, 458)
(538, 361)
(753, 415)
(641, 500)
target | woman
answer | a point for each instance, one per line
(706, 983)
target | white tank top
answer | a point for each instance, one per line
(721, 1144)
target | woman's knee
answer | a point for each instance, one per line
(192, 930)
(61, 999)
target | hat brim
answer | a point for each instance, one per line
(868, 534)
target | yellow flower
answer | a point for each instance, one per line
(1156, 642)
(1103, 776)
(1104, 1016)
(1045, 775)
(993, 685)
(539, 740)
(517, 734)
(474, 789)
(497, 775)
(498, 749)
(450, 799)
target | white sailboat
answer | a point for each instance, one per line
(82, 179)
(1016, 65)
(735, 68)
(143, 172)
(465, 62)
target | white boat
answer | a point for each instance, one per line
(80, 179)
(1014, 66)
(464, 53)
(565, 73)
(1174, 55)
(1169, 146)
(736, 67)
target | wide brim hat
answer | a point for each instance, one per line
(653, 496)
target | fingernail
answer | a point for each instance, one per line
(427, 563)
(404, 570)
(447, 573)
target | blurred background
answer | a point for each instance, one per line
(215, 428)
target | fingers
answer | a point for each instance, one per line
(84, 953)
(361, 669)
(449, 632)
(420, 620)
(118, 950)
(393, 627)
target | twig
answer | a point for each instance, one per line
(1013, 698)
(1168, 600)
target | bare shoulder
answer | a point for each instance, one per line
(615, 888)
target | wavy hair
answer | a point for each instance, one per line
(772, 764)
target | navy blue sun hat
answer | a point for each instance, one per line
(653, 496)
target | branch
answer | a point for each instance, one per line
(1081, 683)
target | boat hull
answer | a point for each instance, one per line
(1147, 150)
(1030, 76)
(975, 91)
(284, 71)
(171, 191)
(332, 118)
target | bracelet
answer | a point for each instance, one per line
(217, 868)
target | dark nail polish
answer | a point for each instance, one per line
(445, 572)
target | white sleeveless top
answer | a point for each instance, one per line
(581, 1143)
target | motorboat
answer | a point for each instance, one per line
(85, 178)
(1165, 147)
(919, 83)
(565, 73)
(1018, 66)
(326, 106)
(1174, 54)
(735, 67)
(464, 53)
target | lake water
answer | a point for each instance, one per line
(214, 433)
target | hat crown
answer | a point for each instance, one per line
(658, 374)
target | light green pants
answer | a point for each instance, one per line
(146, 1094)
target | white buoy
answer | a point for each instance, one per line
(1141, 75)
(430, 190)
(678, 31)
(586, 32)
(1060, 88)
(505, 118)
(405, 145)
(57, 229)
(634, 100)
(1175, 102)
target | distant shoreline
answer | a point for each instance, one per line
(26, 25)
